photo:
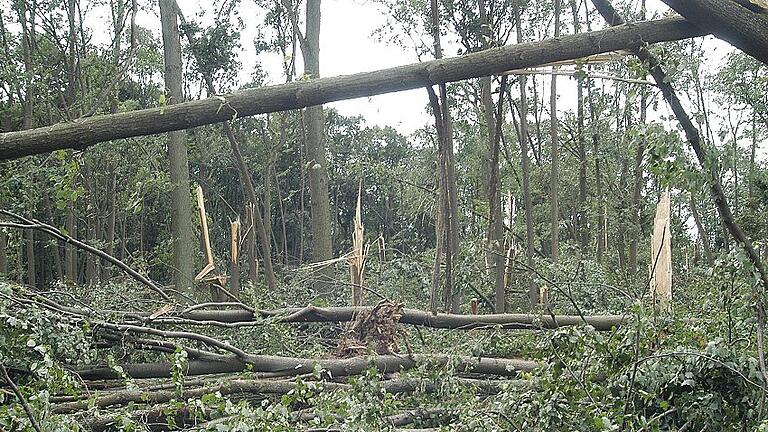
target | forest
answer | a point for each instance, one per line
(199, 231)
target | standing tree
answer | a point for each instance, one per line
(554, 177)
(181, 211)
(314, 140)
(525, 167)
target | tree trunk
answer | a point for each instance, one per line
(595, 126)
(554, 176)
(533, 290)
(637, 189)
(234, 257)
(288, 366)
(70, 251)
(752, 154)
(250, 193)
(91, 222)
(495, 230)
(703, 235)
(26, 47)
(743, 28)
(3, 252)
(447, 200)
(266, 201)
(581, 215)
(314, 120)
(734, 129)
(601, 208)
(621, 224)
(30, 248)
(111, 214)
(181, 210)
(250, 245)
(297, 94)
(284, 230)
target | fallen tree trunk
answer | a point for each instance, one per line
(83, 133)
(252, 317)
(184, 417)
(253, 386)
(409, 316)
(288, 366)
(738, 25)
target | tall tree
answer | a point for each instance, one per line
(181, 211)
(533, 290)
(554, 176)
(314, 142)
(582, 228)
(447, 222)
(27, 38)
(495, 231)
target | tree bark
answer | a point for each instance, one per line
(637, 188)
(297, 94)
(250, 244)
(554, 149)
(495, 231)
(247, 386)
(288, 366)
(30, 251)
(446, 225)
(26, 47)
(752, 155)
(181, 210)
(408, 316)
(496, 222)
(70, 251)
(595, 126)
(533, 289)
(703, 235)
(111, 215)
(284, 229)
(3, 252)
(314, 141)
(741, 27)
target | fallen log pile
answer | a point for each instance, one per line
(370, 330)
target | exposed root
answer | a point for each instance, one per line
(376, 330)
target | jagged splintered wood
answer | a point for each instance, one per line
(83, 133)
(661, 255)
